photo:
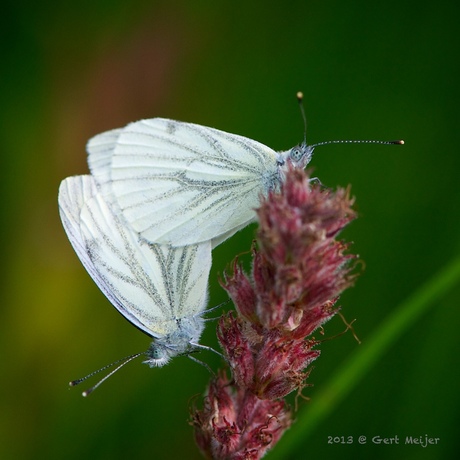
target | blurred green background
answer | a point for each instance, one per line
(383, 70)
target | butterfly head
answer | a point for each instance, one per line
(180, 341)
(158, 354)
(300, 155)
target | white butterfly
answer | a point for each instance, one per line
(160, 289)
(181, 183)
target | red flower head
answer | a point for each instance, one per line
(299, 270)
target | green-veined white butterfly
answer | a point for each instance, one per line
(160, 289)
(180, 183)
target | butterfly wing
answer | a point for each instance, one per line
(150, 285)
(180, 183)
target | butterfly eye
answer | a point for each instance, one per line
(156, 353)
(296, 153)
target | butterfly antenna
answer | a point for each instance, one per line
(299, 96)
(123, 361)
(398, 142)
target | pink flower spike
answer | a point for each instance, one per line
(299, 270)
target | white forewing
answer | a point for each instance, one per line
(153, 286)
(180, 183)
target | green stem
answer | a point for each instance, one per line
(360, 362)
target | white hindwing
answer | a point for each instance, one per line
(153, 286)
(180, 183)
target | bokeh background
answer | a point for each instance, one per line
(69, 70)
